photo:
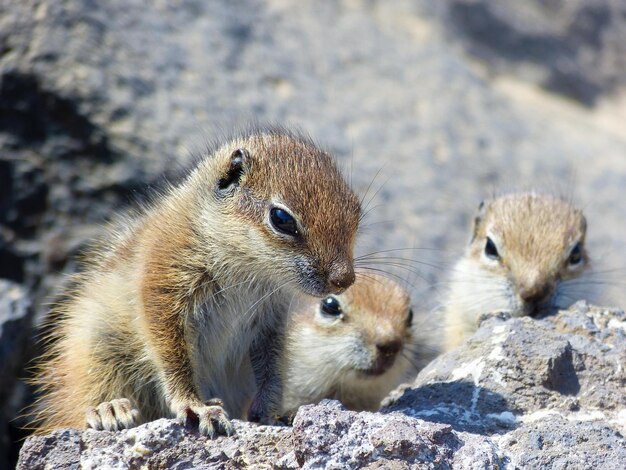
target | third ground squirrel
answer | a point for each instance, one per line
(355, 347)
(181, 313)
(525, 257)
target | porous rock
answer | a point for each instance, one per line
(576, 48)
(520, 393)
(159, 444)
(549, 393)
(15, 315)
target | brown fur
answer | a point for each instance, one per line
(168, 313)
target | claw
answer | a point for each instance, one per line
(210, 417)
(113, 415)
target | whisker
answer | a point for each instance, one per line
(369, 186)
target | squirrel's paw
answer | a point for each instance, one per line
(113, 415)
(211, 417)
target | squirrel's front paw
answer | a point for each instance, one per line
(211, 417)
(113, 415)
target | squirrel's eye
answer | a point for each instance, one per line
(490, 249)
(283, 221)
(331, 307)
(575, 256)
(409, 318)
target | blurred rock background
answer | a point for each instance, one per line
(438, 103)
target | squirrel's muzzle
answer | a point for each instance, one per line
(341, 277)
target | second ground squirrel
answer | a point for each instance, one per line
(355, 347)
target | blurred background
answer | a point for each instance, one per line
(429, 107)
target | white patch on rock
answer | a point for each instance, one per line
(593, 415)
(621, 419)
(472, 369)
(617, 324)
(538, 415)
(497, 378)
(500, 334)
(506, 417)
(496, 354)
(467, 369)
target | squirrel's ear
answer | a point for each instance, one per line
(478, 219)
(237, 164)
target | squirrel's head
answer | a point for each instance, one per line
(285, 211)
(533, 243)
(365, 330)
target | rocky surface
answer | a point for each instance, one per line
(437, 102)
(520, 393)
(550, 392)
(16, 314)
(575, 48)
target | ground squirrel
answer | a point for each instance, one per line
(355, 347)
(525, 257)
(181, 314)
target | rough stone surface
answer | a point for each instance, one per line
(15, 316)
(430, 105)
(521, 393)
(550, 393)
(576, 48)
(159, 444)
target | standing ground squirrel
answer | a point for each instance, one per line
(525, 257)
(182, 313)
(355, 347)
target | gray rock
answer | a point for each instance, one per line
(15, 331)
(575, 48)
(15, 315)
(521, 393)
(159, 444)
(560, 442)
(537, 386)
(328, 436)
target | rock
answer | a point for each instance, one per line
(575, 48)
(15, 332)
(544, 387)
(556, 441)
(520, 393)
(15, 315)
(159, 444)
(328, 436)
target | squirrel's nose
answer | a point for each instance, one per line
(536, 293)
(534, 296)
(389, 349)
(341, 277)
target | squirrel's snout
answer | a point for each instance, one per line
(341, 277)
(389, 349)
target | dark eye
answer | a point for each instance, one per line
(490, 249)
(283, 221)
(575, 256)
(331, 307)
(409, 318)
